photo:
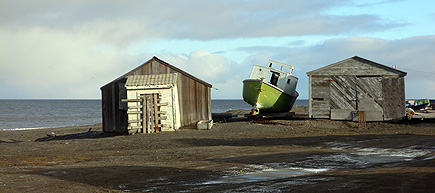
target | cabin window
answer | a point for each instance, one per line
(274, 78)
(288, 81)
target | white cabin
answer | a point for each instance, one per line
(281, 79)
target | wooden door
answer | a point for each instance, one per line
(369, 97)
(343, 92)
(148, 113)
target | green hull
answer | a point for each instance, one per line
(266, 97)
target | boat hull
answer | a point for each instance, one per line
(267, 97)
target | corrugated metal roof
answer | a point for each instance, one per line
(154, 79)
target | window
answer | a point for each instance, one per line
(274, 78)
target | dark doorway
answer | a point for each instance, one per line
(274, 78)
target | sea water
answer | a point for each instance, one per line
(33, 114)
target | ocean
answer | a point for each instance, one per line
(34, 114)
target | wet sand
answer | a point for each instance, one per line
(241, 156)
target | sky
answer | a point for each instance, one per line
(57, 49)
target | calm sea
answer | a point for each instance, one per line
(32, 114)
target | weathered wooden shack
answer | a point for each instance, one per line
(155, 96)
(338, 91)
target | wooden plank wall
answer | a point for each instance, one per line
(394, 98)
(387, 92)
(352, 93)
(347, 90)
(370, 87)
(341, 92)
(320, 97)
(195, 101)
(106, 98)
(114, 117)
(378, 88)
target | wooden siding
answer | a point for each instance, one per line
(106, 97)
(343, 92)
(347, 92)
(320, 108)
(319, 101)
(394, 98)
(320, 87)
(369, 91)
(356, 93)
(193, 94)
(114, 116)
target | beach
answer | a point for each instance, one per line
(300, 155)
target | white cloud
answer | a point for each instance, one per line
(207, 66)
(44, 63)
(193, 19)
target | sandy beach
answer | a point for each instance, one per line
(242, 156)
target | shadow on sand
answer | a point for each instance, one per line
(84, 135)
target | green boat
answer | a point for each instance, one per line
(276, 95)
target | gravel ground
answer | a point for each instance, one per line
(299, 155)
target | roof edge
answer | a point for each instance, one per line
(183, 72)
(162, 62)
(383, 66)
(375, 64)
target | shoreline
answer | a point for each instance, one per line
(297, 108)
(41, 128)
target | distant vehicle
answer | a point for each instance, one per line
(409, 103)
(418, 104)
(432, 103)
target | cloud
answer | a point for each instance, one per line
(236, 19)
(201, 20)
(205, 65)
(46, 63)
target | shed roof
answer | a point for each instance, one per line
(153, 79)
(131, 72)
(356, 66)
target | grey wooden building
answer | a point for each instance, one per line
(338, 91)
(155, 96)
